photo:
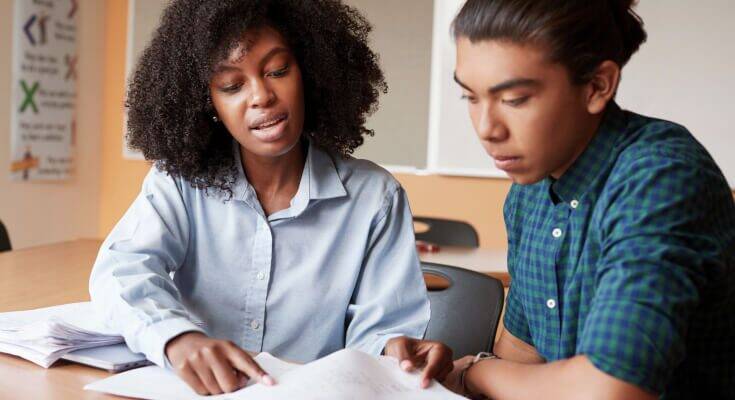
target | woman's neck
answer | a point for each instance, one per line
(275, 179)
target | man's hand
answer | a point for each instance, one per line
(434, 357)
(213, 366)
(453, 381)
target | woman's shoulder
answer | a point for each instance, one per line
(360, 175)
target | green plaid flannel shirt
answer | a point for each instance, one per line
(629, 259)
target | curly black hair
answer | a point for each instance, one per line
(168, 103)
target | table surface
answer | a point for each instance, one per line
(59, 273)
(40, 277)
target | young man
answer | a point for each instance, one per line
(621, 227)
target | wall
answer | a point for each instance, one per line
(121, 179)
(39, 213)
(472, 199)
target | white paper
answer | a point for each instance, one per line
(156, 383)
(346, 374)
(44, 335)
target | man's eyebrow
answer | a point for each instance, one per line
(509, 84)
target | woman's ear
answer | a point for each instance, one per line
(603, 86)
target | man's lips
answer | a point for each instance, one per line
(506, 163)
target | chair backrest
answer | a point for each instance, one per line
(4, 239)
(447, 232)
(465, 315)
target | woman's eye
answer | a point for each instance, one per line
(516, 101)
(278, 73)
(231, 88)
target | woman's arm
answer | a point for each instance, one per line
(130, 285)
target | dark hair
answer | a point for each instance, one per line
(580, 34)
(169, 108)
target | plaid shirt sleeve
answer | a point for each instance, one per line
(655, 254)
(515, 320)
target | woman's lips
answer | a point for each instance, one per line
(270, 130)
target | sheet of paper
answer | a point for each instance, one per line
(347, 374)
(156, 383)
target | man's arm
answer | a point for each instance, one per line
(510, 348)
(574, 378)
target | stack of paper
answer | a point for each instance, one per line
(346, 374)
(46, 334)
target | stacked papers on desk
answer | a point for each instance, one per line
(46, 334)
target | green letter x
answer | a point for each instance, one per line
(29, 93)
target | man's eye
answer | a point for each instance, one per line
(515, 102)
(471, 99)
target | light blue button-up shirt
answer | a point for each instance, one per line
(336, 269)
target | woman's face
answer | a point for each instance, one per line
(525, 110)
(258, 94)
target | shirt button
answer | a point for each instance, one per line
(551, 303)
(574, 203)
(255, 324)
(556, 233)
(260, 276)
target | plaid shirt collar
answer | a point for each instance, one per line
(600, 152)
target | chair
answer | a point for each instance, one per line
(465, 315)
(4, 239)
(447, 232)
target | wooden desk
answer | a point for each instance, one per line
(40, 277)
(486, 261)
(59, 273)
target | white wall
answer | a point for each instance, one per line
(684, 72)
(39, 213)
(402, 38)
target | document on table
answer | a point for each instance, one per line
(44, 335)
(345, 374)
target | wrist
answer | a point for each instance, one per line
(469, 386)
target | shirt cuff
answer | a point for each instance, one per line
(378, 347)
(154, 338)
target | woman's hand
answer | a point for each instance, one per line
(213, 366)
(434, 357)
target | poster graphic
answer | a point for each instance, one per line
(43, 114)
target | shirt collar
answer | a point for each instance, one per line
(319, 180)
(573, 184)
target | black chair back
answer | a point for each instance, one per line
(4, 239)
(465, 315)
(447, 232)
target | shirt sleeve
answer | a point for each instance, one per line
(657, 247)
(131, 285)
(390, 297)
(514, 320)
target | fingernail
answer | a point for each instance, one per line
(406, 365)
(425, 383)
(268, 380)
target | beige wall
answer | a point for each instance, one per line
(38, 213)
(473, 199)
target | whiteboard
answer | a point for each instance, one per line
(143, 19)
(453, 148)
(683, 73)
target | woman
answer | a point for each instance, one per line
(255, 229)
(621, 228)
